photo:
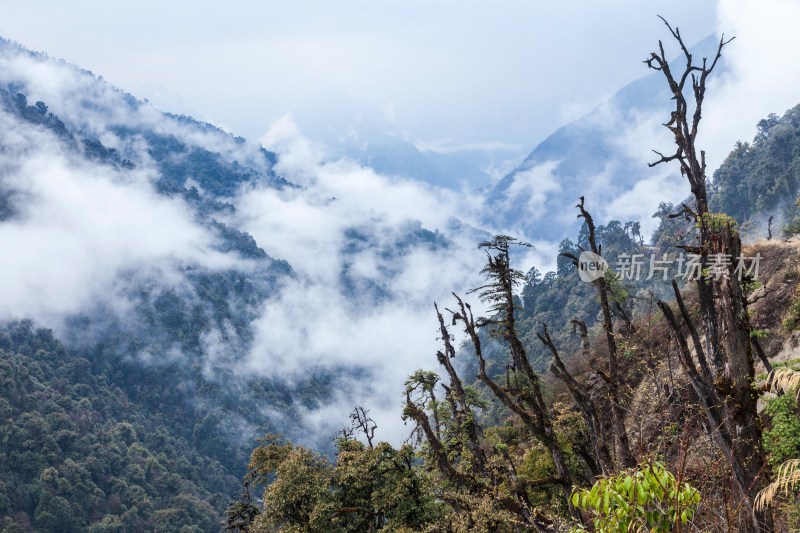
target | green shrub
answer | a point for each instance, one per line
(782, 440)
(648, 498)
(716, 222)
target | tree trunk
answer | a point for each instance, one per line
(724, 383)
(724, 309)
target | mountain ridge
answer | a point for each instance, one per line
(590, 156)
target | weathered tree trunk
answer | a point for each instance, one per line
(624, 457)
(724, 382)
(733, 368)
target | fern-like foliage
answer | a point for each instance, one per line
(787, 476)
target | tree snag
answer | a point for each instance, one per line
(724, 381)
(624, 457)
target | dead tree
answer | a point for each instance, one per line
(360, 422)
(724, 380)
(624, 457)
(459, 452)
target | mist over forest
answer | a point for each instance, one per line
(384, 308)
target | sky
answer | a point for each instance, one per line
(447, 73)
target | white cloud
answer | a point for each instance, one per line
(315, 322)
(77, 227)
(534, 185)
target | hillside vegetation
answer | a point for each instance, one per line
(611, 405)
(79, 455)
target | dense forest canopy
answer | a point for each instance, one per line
(759, 179)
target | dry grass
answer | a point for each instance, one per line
(786, 379)
(779, 272)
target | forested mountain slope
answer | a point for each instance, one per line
(761, 179)
(134, 417)
(78, 454)
(122, 232)
(602, 155)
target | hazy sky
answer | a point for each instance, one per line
(448, 72)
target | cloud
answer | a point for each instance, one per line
(319, 322)
(446, 146)
(640, 202)
(78, 227)
(90, 241)
(534, 186)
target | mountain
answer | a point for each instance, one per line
(759, 181)
(118, 217)
(356, 130)
(147, 331)
(602, 156)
